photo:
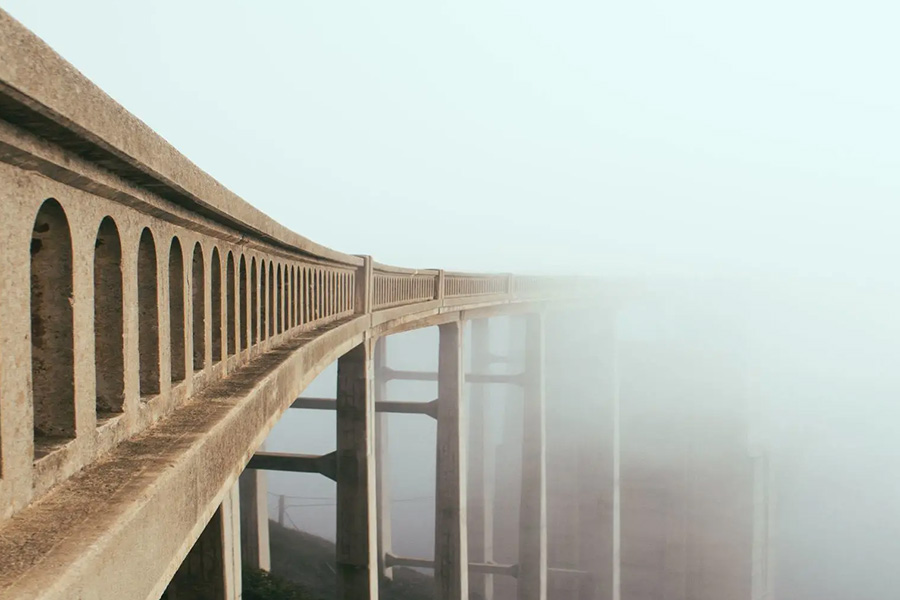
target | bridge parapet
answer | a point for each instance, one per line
(131, 281)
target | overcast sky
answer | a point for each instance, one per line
(638, 137)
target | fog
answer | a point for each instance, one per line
(735, 164)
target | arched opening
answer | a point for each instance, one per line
(272, 316)
(176, 310)
(320, 294)
(109, 353)
(230, 308)
(279, 320)
(198, 298)
(148, 315)
(304, 301)
(254, 303)
(293, 296)
(332, 293)
(298, 292)
(245, 318)
(215, 291)
(52, 350)
(263, 313)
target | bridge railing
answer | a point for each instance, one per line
(130, 280)
(396, 286)
(471, 284)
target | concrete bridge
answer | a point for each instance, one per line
(156, 327)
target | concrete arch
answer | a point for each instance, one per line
(178, 368)
(279, 301)
(215, 287)
(231, 321)
(242, 295)
(273, 317)
(109, 353)
(198, 301)
(255, 306)
(148, 315)
(52, 343)
(293, 297)
(263, 302)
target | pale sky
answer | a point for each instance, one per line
(646, 137)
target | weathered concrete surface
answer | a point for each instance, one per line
(481, 465)
(451, 540)
(34, 78)
(255, 552)
(225, 316)
(356, 538)
(121, 528)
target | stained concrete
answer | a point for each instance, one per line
(116, 486)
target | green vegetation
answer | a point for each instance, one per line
(303, 568)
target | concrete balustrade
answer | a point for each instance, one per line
(155, 327)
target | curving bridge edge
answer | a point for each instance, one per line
(155, 327)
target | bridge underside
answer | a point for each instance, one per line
(122, 527)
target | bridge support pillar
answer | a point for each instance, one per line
(451, 560)
(481, 464)
(532, 583)
(212, 569)
(599, 478)
(357, 559)
(382, 458)
(254, 520)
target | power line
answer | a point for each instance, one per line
(334, 503)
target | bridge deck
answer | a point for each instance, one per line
(155, 328)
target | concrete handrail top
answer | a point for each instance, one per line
(43, 89)
(395, 270)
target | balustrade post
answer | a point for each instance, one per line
(439, 285)
(451, 560)
(363, 292)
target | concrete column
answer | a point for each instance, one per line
(509, 455)
(451, 560)
(357, 558)
(212, 569)
(598, 484)
(481, 463)
(254, 520)
(382, 459)
(532, 584)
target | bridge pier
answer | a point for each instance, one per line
(382, 460)
(481, 465)
(533, 506)
(212, 568)
(254, 519)
(451, 560)
(356, 538)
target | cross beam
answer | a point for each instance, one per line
(326, 464)
(424, 563)
(384, 406)
(492, 568)
(514, 378)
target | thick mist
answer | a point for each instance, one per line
(735, 164)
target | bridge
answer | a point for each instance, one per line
(156, 327)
